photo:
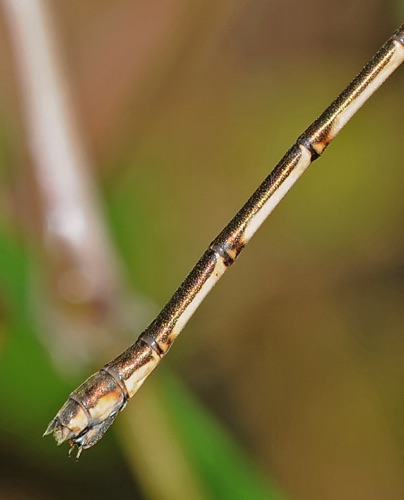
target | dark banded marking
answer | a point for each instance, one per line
(112, 373)
(152, 343)
(307, 143)
(82, 405)
(223, 253)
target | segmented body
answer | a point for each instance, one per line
(92, 408)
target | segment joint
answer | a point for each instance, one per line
(152, 343)
(399, 36)
(307, 143)
(112, 373)
(82, 405)
(225, 254)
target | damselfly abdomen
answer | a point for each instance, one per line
(92, 408)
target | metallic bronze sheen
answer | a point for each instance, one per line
(92, 408)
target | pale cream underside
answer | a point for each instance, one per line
(267, 208)
(79, 421)
(217, 273)
(137, 378)
(395, 61)
(102, 409)
(134, 382)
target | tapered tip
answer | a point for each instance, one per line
(50, 428)
(59, 431)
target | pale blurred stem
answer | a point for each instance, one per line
(72, 221)
(85, 271)
(148, 430)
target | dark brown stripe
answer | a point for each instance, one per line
(84, 407)
(222, 252)
(152, 343)
(306, 142)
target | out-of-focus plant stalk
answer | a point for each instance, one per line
(89, 304)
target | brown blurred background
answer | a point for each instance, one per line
(185, 107)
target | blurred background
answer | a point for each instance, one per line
(130, 133)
